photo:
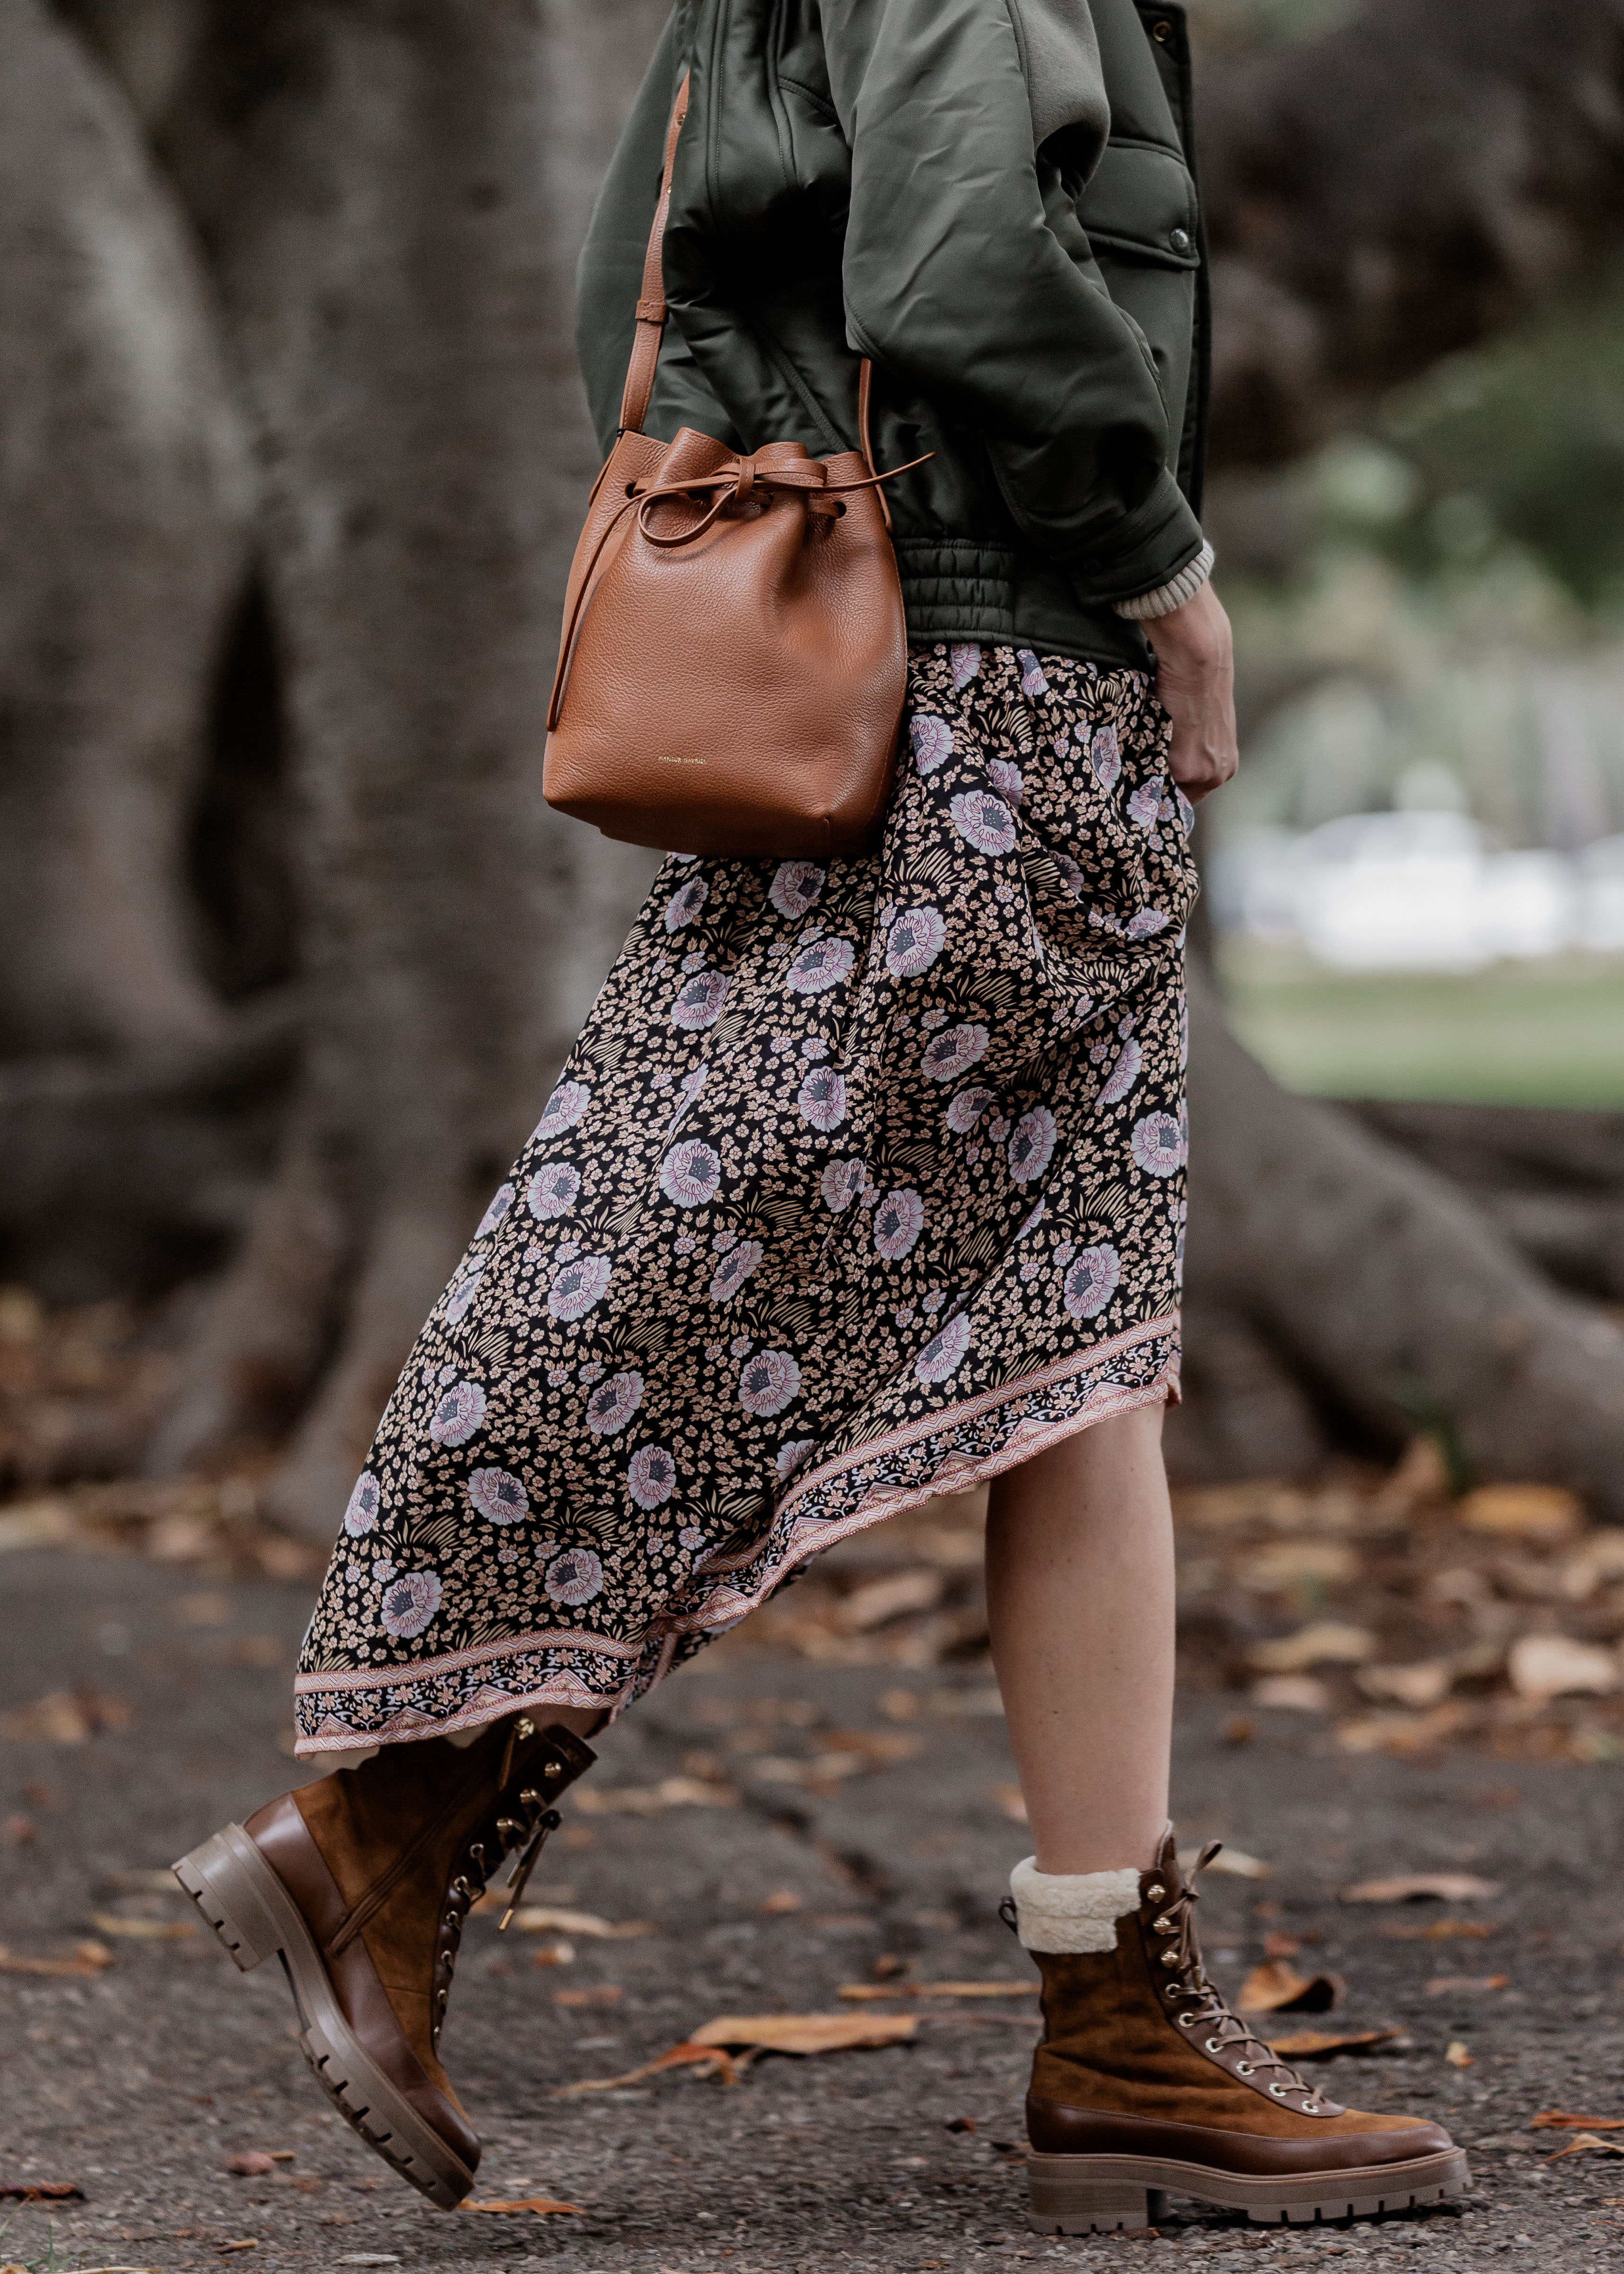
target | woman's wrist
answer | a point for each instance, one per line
(1175, 593)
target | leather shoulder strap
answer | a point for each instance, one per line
(651, 304)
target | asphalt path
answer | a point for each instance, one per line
(803, 1827)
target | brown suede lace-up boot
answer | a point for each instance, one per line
(360, 1883)
(1146, 2082)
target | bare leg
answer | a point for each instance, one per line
(1079, 1595)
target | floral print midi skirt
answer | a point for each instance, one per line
(864, 1182)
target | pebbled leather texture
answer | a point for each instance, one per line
(733, 663)
(1055, 2129)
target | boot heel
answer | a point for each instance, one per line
(1063, 2201)
(224, 1878)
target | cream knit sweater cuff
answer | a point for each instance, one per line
(1174, 594)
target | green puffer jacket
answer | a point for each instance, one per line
(992, 198)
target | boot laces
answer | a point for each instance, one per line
(521, 1833)
(1198, 2005)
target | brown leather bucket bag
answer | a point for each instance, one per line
(734, 657)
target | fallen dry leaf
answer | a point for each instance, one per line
(1324, 2044)
(64, 1717)
(654, 1799)
(1291, 1693)
(1558, 2119)
(542, 2205)
(1423, 1682)
(1403, 1734)
(543, 1918)
(1523, 1511)
(1417, 1886)
(1586, 2143)
(1444, 1986)
(1457, 2054)
(686, 2055)
(252, 2163)
(861, 1992)
(142, 1930)
(1236, 1863)
(879, 1748)
(1546, 1666)
(877, 1601)
(248, 2242)
(596, 1993)
(1276, 1987)
(1441, 1930)
(781, 1903)
(554, 1954)
(42, 2191)
(88, 1958)
(808, 2033)
(1326, 1641)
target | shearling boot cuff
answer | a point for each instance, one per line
(1064, 1913)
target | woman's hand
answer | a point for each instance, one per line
(1195, 681)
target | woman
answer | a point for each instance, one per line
(864, 1181)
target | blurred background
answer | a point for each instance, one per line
(293, 451)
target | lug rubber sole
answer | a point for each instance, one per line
(255, 1917)
(1110, 2194)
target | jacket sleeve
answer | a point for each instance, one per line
(959, 278)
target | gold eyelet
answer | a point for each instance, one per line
(1214, 2045)
(1185, 2021)
(1244, 2068)
(1169, 1958)
(1163, 1926)
(1155, 1894)
(1277, 2091)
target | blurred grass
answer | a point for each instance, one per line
(1550, 1033)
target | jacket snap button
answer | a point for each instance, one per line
(1163, 31)
(1179, 239)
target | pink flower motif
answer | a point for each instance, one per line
(552, 1190)
(822, 1099)
(898, 1222)
(768, 1381)
(738, 1264)
(1145, 800)
(699, 1001)
(501, 1201)
(361, 1512)
(460, 1301)
(953, 1052)
(651, 1476)
(1031, 679)
(690, 1173)
(1186, 812)
(691, 1538)
(566, 1106)
(1090, 1281)
(1105, 755)
(459, 1413)
(612, 1403)
(1070, 875)
(983, 821)
(1145, 924)
(498, 1495)
(932, 740)
(1032, 1145)
(1158, 1145)
(821, 964)
(791, 1455)
(684, 905)
(842, 1181)
(579, 1286)
(966, 1110)
(574, 1578)
(914, 941)
(944, 1352)
(797, 886)
(410, 1603)
(1008, 780)
(1124, 1074)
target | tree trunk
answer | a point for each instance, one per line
(391, 198)
(125, 490)
(1382, 1289)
